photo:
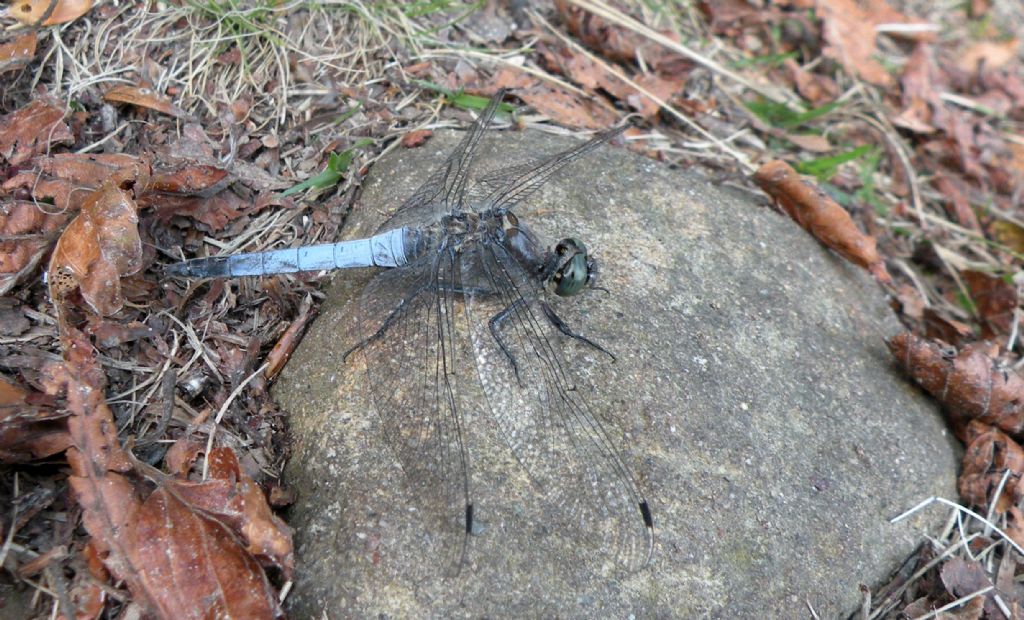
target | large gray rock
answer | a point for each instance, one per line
(753, 396)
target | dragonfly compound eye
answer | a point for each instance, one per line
(574, 273)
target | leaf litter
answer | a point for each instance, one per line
(125, 161)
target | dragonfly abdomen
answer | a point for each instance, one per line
(393, 248)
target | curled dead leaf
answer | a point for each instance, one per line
(821, 216)
(97, 248)
(967, 384)
(143, 97)
(416, 138)
(32, 129)
(18, 52)
(995, 300)
(990, 453)
(48, 12)
(177, 561)
(29, 428)
(568, 109)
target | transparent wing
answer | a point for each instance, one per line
(408, 319)
(443, 191)
(543, 414)
(510, 186)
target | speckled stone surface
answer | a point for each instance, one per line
(753, 397)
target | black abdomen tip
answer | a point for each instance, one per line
(645, 510)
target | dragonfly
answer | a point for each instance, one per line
(462, 305)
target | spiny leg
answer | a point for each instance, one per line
(384, 326)
(395, 313)
(494, 324)
(562, 327)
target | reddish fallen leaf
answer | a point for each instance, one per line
(730, 17)
(816, 88)
(964, 577)
(235, 500)
(286, 344)
(820, 215)
(193, 566)
(809, 142)
(32, 130)
(995, 300)
(619, 43)
(190, 180)
(593, 76)
(177, 561)
(215, 212)
(29, 428)
(988, 55)
(29, 229)
(97, 248)
(911, 301)
(848, 27)
(946, 329)
(568, 109)
(143, 97)
(989, 454)
(416, 138)
(967, 384)
(921, 83)
(949, 187)
(18, 52)
(48, 12)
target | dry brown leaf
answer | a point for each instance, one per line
(810, 142)
(193, 567)
(143, 97)
(988, 55)
(946, 329)
(235, 500)
(48, 12)
(967, 384)
(97, 248)
(920, 82)
(618, 43)
(18, 52)
(215, 212)
(416, 138)
(175, 560)
(964, 577)
(816, 88)
(988, 455)
(566, 108)
(729, 17)
(950, 187)
(995, 300)
(821, 216)
(848, 27)
(32, 130)
(30, 428)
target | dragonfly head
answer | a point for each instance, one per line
(574, 270)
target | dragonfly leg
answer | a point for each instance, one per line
(383, 326)
(397, 311)
(562, 327)
(495, 325)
